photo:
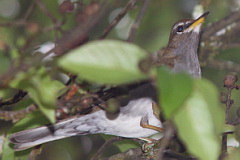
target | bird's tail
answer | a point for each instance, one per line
(32, 137)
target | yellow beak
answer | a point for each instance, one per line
(197, 22)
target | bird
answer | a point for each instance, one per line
(137, 116)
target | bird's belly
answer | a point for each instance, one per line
(127, 123)
(132, 129)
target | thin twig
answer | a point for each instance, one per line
(17, 115)
(46, 11)
(105, 146)
(168, 134)
(118, 18)
(16, 98)
(223, 65)
(79, 35)
(229, 103)
(29, 11)
(17, 23)
(215, 27)
(224, 152)
(136, 24)
(22, 21)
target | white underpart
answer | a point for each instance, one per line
(126, 124)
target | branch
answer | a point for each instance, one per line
(224, 151)
(215, 27)
(29, 11)
(131, 154)
(17, 97)
(79, 35)
(118, 18)
(105, 146)
(136, 24)
(168, 134)
(46, 11)
(222, 65)
(17, 115)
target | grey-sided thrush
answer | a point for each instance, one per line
(180, 55)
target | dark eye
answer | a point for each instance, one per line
(180, 29)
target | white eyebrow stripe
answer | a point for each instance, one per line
(178, 24)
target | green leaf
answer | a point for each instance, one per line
(126, 145)
(122, 145)
(4, 63)
(173, 88)
(32, 120)
(234, 153)
(211, 96)
(41, 88)
(106, 62)
(200, 121)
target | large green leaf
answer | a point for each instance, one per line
(200, 121)
(106, 61)
(41, 88)
(173, 88)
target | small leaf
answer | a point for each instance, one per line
(106, 62)
(126, 145)
(41, 88)
(200, 121)
(122, 145)
(173, 88)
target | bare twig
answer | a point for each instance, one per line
(22, 21)
(53, 27)
(168, 134)
(231, 45)
(105, 146)
(14, 23)
(229, 83)
(224, 152)
(215, 27)
(17, 97)
(229, 103)
(79, 35)
(169, 154)
(223, 65)
(131, 154)
(22, 67)
(17, 115)
(29, 11)
(214, 40)
(136, 24)
(49, 14)
(75, 37)
(46, 11)
(123, 12)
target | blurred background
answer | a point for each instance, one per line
(25, 27)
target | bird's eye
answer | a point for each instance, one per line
(180, 29)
